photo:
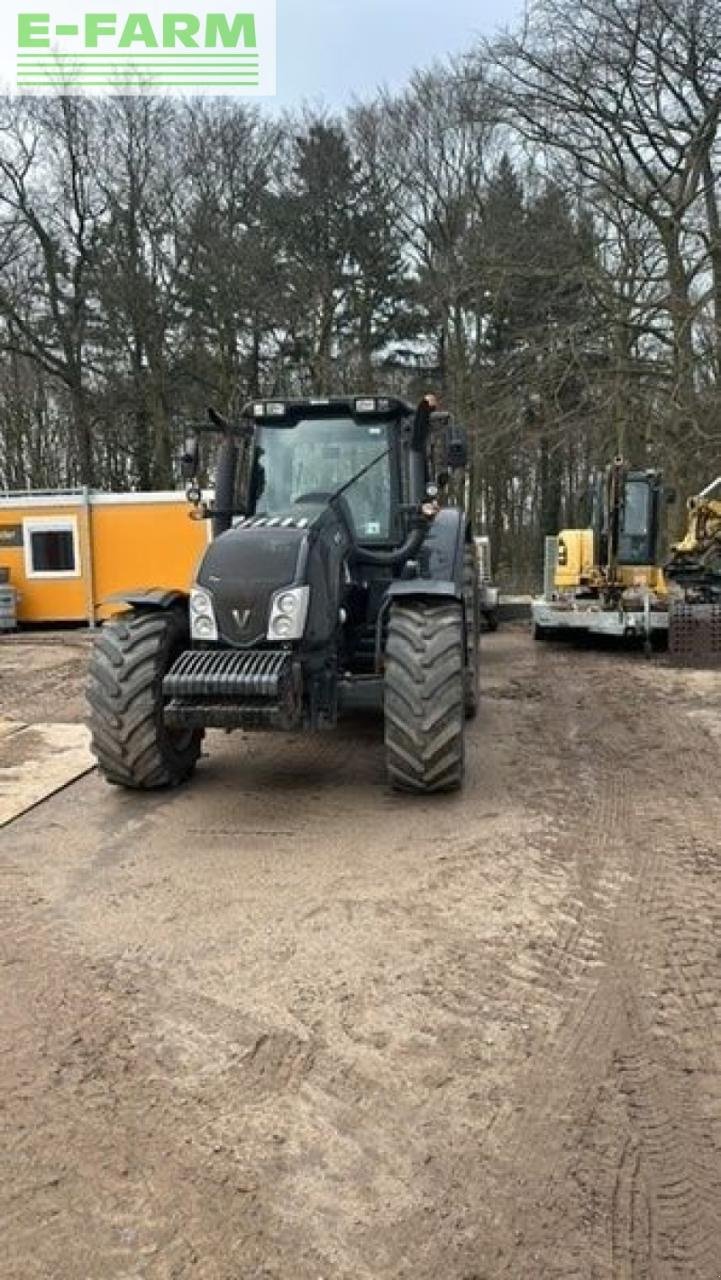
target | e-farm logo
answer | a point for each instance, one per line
(206, 48)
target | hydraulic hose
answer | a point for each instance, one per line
(406, 551)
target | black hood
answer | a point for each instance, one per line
(243, 568)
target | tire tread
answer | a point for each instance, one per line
(424, 696)
(124, 696)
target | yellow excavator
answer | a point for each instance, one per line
(607, 579)
(610, 579)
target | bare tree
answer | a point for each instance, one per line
(230, 244)
(51, 215)
(624, 95)
(136, 281)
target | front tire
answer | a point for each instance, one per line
(425, 696)
(133, 746)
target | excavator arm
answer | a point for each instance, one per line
(695, 562)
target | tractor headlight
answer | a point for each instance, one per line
(202, 615)
(288, 612)
(287, 603)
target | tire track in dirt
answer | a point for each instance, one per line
(671, 1077)
(644, 918)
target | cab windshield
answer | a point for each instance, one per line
(319, 455)
(634, 537)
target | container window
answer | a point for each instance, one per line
(51, 549)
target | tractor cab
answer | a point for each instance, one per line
(294, 457)
(285, 451)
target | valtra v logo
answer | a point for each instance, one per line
(73, 49)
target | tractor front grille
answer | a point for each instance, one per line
(229, 674)
(694, 635)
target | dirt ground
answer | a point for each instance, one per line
(42, 675)
(284, 1025)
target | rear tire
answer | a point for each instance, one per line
(473, 629)
(425, 696)
(131, 742)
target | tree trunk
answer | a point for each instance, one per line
(681, 315)
(367, 380)
(162, 443)
(142, 449)
(550, 477)
(253, 388)
(83, 435)
(713, 219)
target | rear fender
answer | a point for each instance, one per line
(440, 560)
(440, 563)
(420, 588)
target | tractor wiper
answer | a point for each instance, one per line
(410, 545)
(321, 495)
(358, 475)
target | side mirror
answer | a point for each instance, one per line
(190, 458)
(440, 418)
(670, 496)
(456, 449)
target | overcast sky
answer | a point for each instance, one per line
(331, 50)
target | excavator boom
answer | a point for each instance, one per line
(695, 568)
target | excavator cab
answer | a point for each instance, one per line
(628, 519)
(622, 538)
(606, 578)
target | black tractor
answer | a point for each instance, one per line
(337, 575)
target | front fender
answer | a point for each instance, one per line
(150, 598)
